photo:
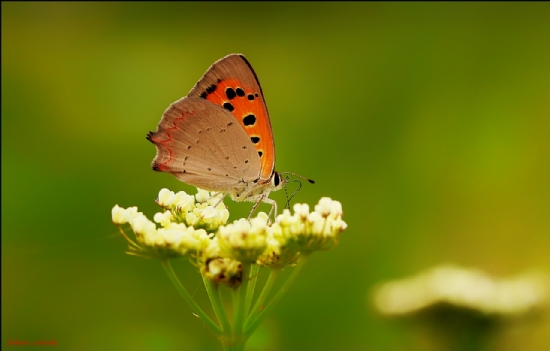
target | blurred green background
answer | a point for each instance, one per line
(430, 122)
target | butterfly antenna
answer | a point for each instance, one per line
(294, 193)
(288, 199)
(287, 205)
(299, 176)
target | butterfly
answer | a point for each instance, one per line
(219, 136)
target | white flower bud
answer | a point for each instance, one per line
(166, 198)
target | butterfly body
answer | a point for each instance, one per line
(219, 136)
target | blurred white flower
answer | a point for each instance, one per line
(463, 288)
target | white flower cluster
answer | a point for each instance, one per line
(307, 232)
(244, 240)
(197, 225)
(462, 288)
(170, 241)
(196, 211)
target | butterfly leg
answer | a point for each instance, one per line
(221, 199)
(256, 205)
(273, 204)
(264, 198)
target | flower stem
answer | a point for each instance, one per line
(239, 307)
(257, 316)
(258, 307)
(214, 293)
(183, 292)
(251, 286)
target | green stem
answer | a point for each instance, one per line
(239, 307)
(251, 286)
(258, 307)
(255, 320)
(233, 347)
(183, 292)
(214, 293)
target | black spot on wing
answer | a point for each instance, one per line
(230, 93)
(228, 106)
(249, 120)
(211, 89)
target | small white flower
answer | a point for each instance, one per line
(202, 195)
(119, 215)
(215, 199)
(141, 225)
(285, 218)
(301, 210)
(165, 198)
(336, 208)
(132, 212)
(223, 215)
(163, 218)
(327, 207)
(258, 224)
(208, 214)
(183, 201)
(324, 206)
(191, 219)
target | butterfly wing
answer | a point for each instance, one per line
(203, 145)
(232, 84)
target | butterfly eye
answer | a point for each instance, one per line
(276, 179)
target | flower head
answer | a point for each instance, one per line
(307, 232)
(197, 226)
(244, 240)
(197, 211)
(277, 256)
